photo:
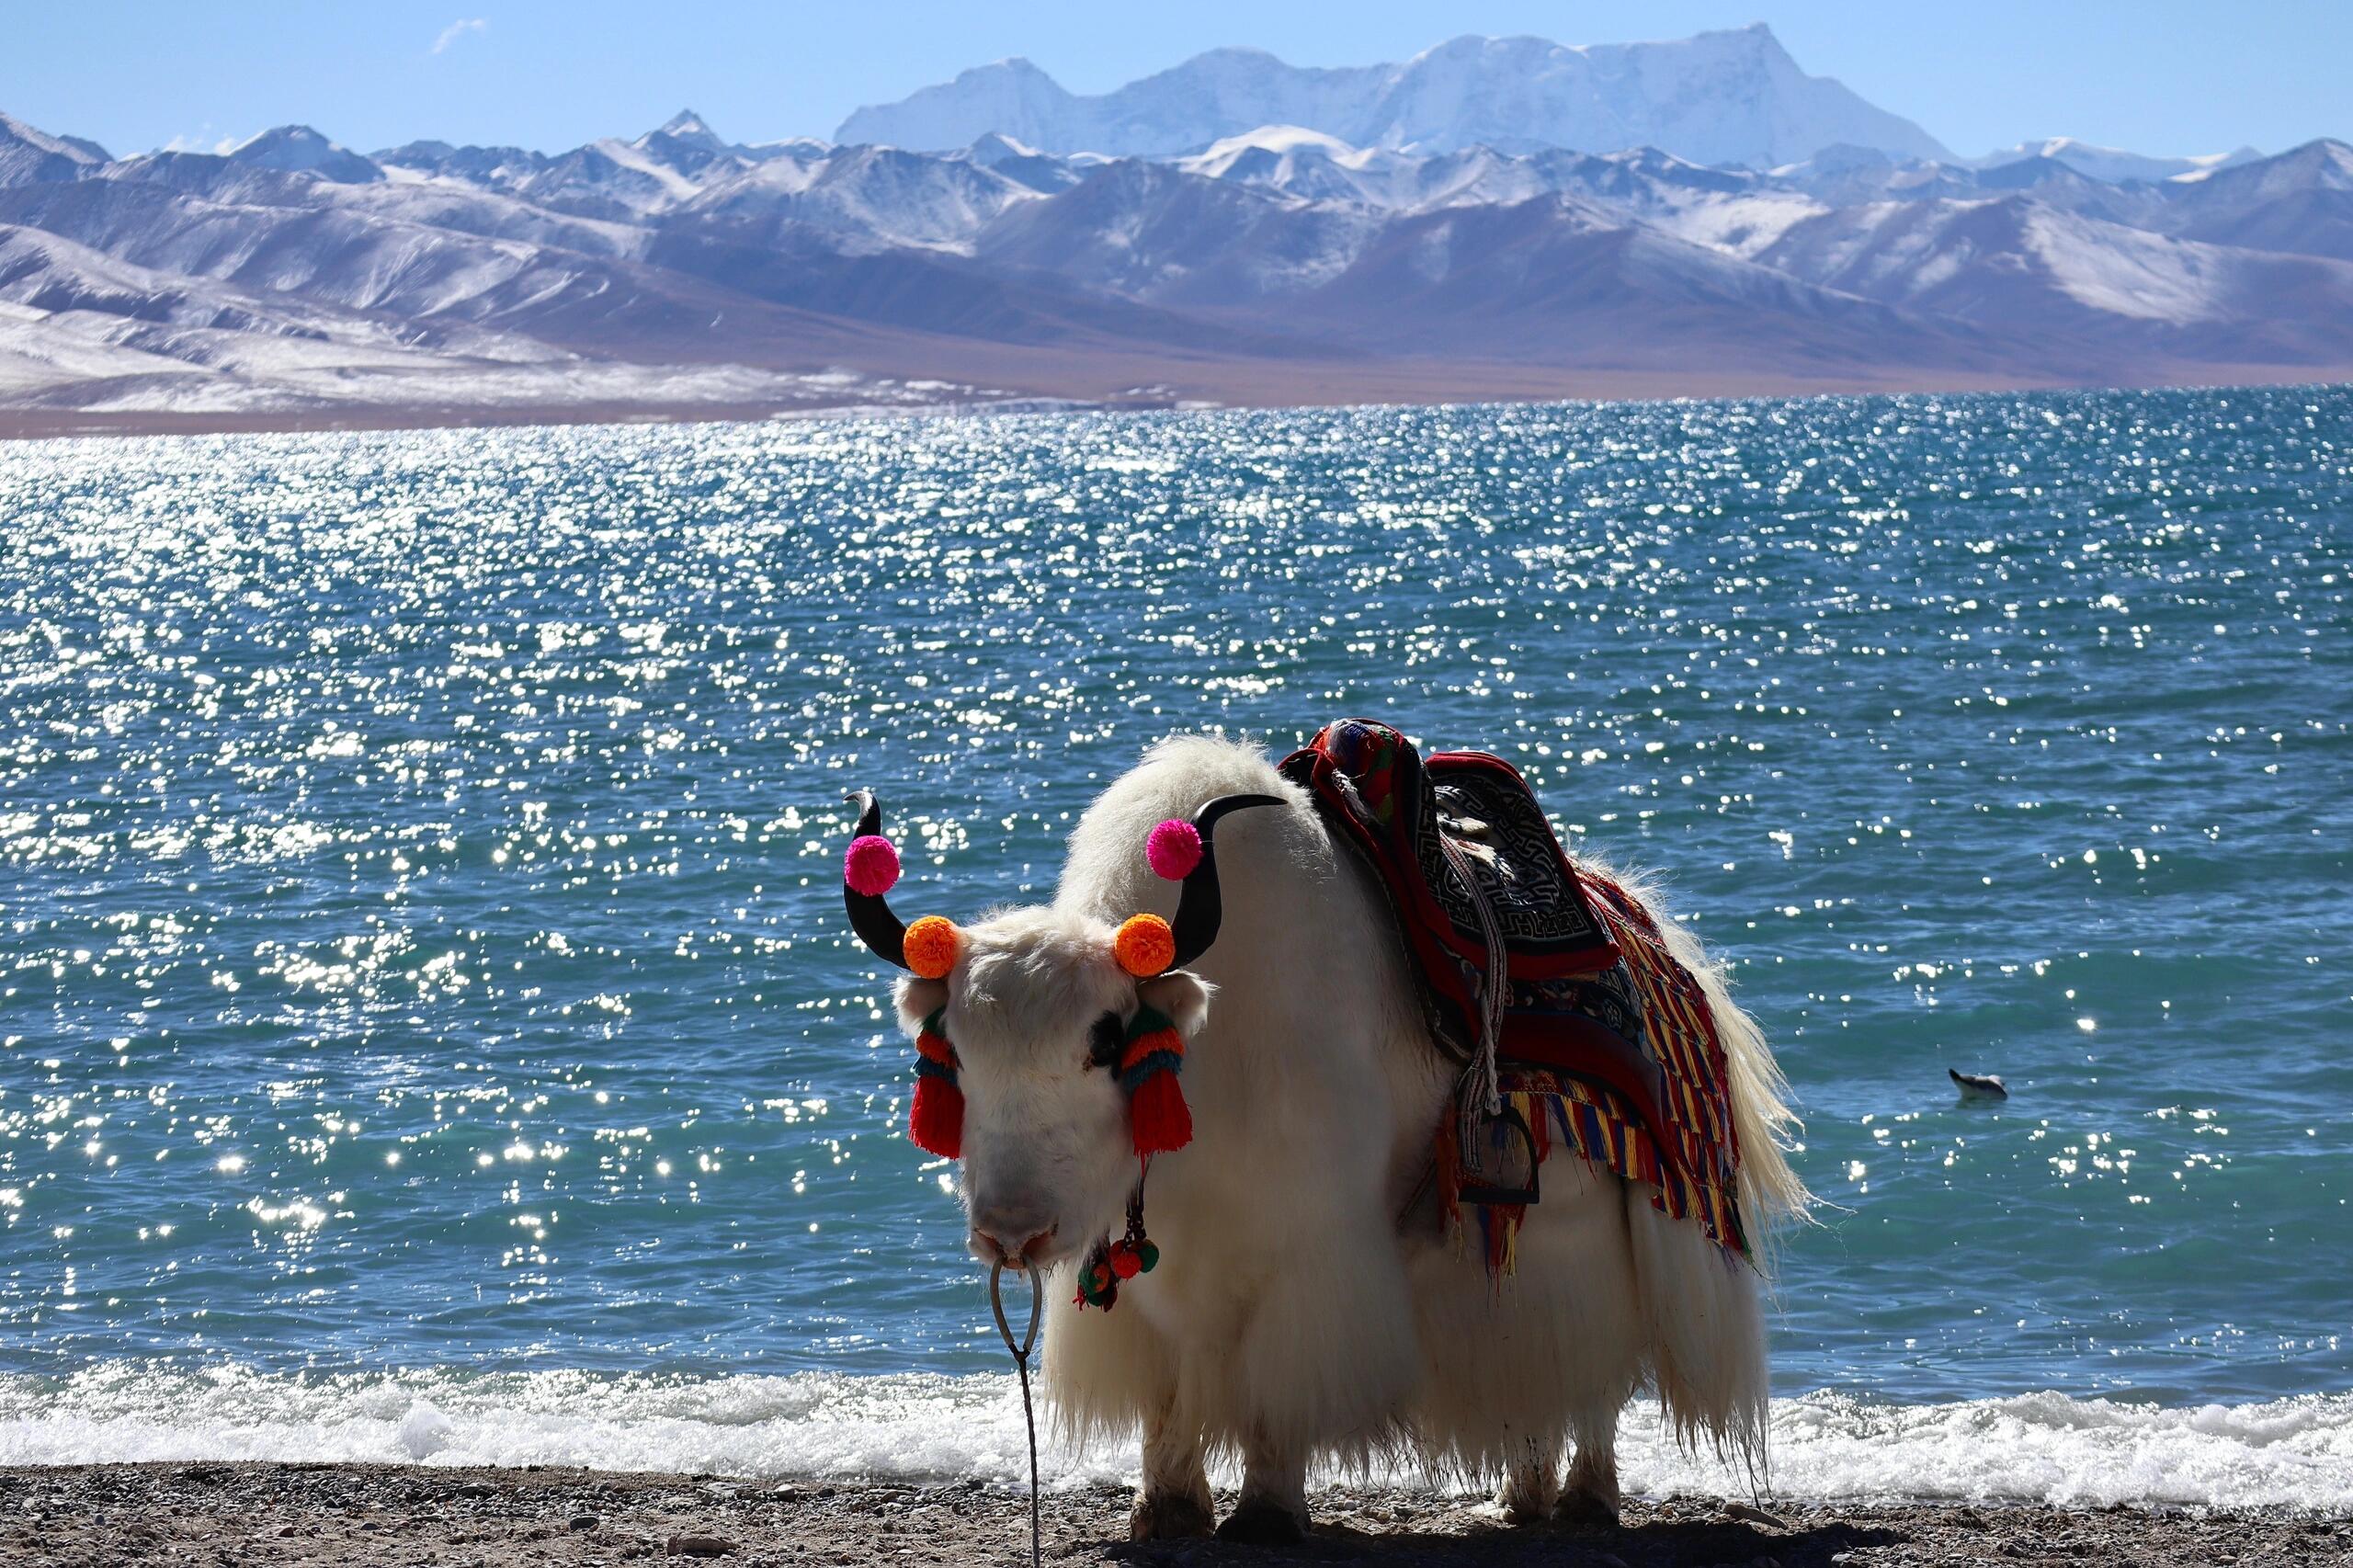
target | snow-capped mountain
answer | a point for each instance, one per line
(678, 269)
(27, 155)
(2301, 201)
(687, 129)
(1722, 97)
(2113, 163)
(298, 149)
(2108, 286)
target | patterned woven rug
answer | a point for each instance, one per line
(1606, 1044)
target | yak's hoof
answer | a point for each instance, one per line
(1584, 1510)
(1527, 1496)
(1169, 1516)
(1257, 1522)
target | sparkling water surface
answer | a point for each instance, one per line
(420, 943)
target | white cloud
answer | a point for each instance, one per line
(459, 30)
(205, 141)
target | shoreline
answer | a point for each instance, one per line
(1404, 384)
(331, 1514)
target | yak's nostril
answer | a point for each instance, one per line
(1009, 1241)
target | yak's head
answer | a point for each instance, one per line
(1048, 1043)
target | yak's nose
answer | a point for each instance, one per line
(1011, 1236)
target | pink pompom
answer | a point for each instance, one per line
(1174, 849)
(871, 867)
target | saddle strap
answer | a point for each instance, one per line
(1494, 991)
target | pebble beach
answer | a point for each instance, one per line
(336, 1516)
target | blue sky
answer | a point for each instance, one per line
(2155, 76)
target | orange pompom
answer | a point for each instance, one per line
(1145, 946)
(930, 947)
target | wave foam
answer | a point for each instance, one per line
(2043, 1447)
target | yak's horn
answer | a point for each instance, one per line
(1199, 908)
(870, 912)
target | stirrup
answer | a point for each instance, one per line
(1496, 1172)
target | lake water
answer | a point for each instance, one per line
(428, 1028)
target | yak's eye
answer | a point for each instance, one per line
(1105, 1040)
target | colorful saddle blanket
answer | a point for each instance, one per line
(1605, 1042)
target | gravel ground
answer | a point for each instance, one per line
(402, 1516)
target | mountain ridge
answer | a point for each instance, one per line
(1730, 97)
(678, 272)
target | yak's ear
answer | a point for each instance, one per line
(1181, 994)
(917, 1000)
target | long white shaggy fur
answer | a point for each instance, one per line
(1298, 1314)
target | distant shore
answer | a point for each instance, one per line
(1215, 384)
(336, 1516)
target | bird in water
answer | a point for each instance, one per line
(1979, 1085)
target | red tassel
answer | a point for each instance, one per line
(936, 1121)
(1159, 1116)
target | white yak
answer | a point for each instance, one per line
(1297, 1314)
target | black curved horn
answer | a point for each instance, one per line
(1199, 908)
(870, 914)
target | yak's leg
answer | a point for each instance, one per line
(1532, 1483)
(1174, 1500)
(1304, 1379)
(1109, 1372)
(1591, 1496)
(1273, 1508)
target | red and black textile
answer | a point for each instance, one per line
(1393, 808)
(1607, 1043)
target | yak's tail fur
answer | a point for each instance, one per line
(1704, 1308)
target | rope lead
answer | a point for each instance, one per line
(1021, 1365)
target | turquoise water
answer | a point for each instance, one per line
(420, 947)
